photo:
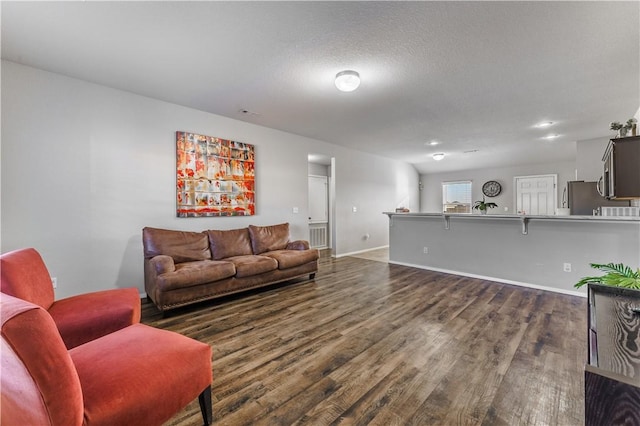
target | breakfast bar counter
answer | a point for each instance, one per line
(549, 252)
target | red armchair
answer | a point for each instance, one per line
(79, 319)
(138, 375)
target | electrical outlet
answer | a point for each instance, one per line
(54, 282)
(567, 267)
(294, 210)
(425, 250)
(354, 209)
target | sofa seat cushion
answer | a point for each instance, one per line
(292, 258)
(189, 274)
(122, 374)
(233, 242)
(247, 266)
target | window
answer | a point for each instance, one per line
(456, 197)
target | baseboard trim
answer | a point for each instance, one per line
(337, 256)
(499, 280)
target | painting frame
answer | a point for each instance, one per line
(214, 176)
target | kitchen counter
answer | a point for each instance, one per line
(522, 218)
(549, 252)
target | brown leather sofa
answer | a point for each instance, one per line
(181, 267)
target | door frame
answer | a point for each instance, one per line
(331, 181)
(327, 219)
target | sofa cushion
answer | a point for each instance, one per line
(189, 274)
(25, 276)
(298, 245)
(234, 242)
(40, 385)
(247, 266)
(268, 238)
(182, 246)
(292, 258)
(140, 375)
(85, 317)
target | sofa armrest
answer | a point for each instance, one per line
(162, 263)
(298, 245)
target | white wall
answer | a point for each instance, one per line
(589, 158)
(431, 194)
(85, 168)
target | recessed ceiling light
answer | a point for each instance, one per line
(549, 137)
(434, 143)
(247, 112)
(544, 124)
(347, 81)
(439, 156)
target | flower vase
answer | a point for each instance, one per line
(622, 133)
(483, 212)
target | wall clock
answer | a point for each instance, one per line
(491, 188)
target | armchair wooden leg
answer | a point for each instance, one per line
(205, 406)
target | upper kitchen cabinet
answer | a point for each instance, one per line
(621, 177)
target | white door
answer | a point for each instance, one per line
(536, 195)
(318, 199)
(318, 211)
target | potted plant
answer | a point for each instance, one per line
(617, 275)
(630, 126)
(483, 206)
(617, 126)
(623, 129)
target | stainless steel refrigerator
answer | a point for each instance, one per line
(584, 198)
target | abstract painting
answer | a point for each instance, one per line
(214, 176)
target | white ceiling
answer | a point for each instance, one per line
(472, 75)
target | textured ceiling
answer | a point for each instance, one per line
(475, 76)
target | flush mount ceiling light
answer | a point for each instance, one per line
(434, 143)
(439, 156)
(347, 81)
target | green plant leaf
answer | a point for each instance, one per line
(618, 268)
(587, 280)
(483, 205)
(616, 274)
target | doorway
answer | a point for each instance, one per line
(536, 195)
(318, 211)
(319, 196)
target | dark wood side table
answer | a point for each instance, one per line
(612, 373)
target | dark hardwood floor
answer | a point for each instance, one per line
(368, 343)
